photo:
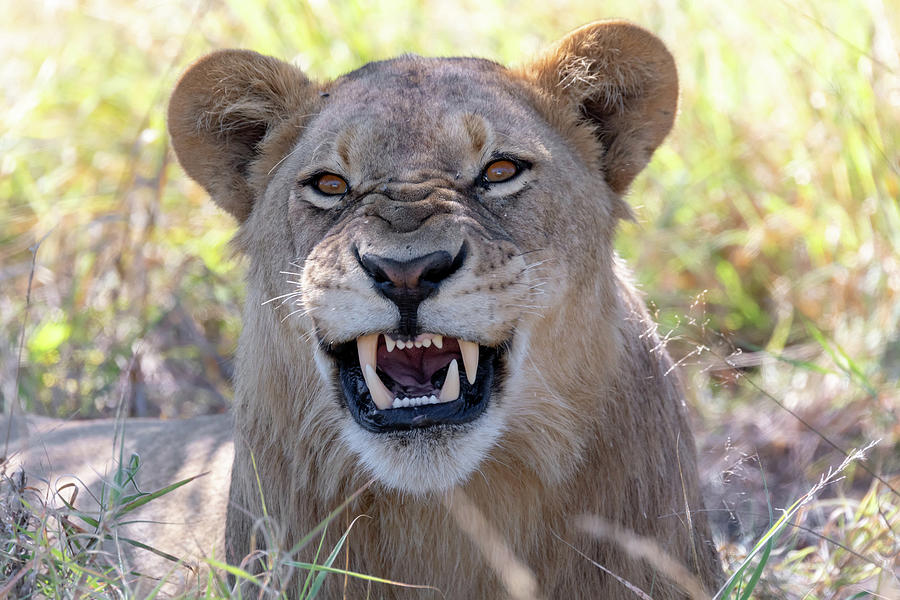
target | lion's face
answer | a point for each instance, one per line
(426, 215)
(422, 201)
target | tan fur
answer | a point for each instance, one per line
(590, 417)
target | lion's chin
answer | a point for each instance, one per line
(412, 436)
(424, 461)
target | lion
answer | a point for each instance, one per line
(437, 328)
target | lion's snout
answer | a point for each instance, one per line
(407, 283)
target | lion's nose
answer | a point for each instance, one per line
(408, 283)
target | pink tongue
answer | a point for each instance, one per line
(411, 369)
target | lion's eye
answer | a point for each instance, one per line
(500, 170)
(331, 184)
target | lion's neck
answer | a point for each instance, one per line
(528, 488)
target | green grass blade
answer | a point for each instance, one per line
(320, 576)
(149, 497)
(123, 476)
(237, 572)
(362, 576)
(757, 572)
(840, 357)
(144, 546)
(324, 523)
(309, 574)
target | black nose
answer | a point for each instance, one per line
(408, 283)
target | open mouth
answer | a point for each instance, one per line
(391, 384)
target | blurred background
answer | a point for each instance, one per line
(766, 239)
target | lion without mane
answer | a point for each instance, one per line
(437, 325)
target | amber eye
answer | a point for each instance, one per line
(331, 184)
(500, 170)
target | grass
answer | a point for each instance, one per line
(767, 233)
(53, 548)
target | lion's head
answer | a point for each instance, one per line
(439, 232)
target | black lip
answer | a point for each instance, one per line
(471, 404)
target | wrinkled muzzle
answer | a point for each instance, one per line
(405, 378)
(416, 342)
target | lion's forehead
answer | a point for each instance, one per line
(453, 79)
(412, 108)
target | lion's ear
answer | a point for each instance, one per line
(221, 111)
(623, 80)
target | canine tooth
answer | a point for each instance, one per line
(389, 343)
(450, 391)
(382, 398)
(366, 346)
(438, 341)
(469, 352)
(426, 342)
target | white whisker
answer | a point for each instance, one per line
(302, 309)
(307, 337)
(288, 295)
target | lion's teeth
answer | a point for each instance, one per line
(382, 398)
(366, 347)
(417, 401)
(367, 350)
(469, 352)
(450, 391)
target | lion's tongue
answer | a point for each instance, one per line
(412, 369)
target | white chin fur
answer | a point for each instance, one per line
(425, 461)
